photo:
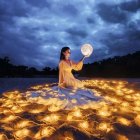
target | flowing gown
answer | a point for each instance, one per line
(66, 78)
(70, 92)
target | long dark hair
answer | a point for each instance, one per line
(62, 56)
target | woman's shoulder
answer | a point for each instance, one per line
(72, 62)
(61, 62)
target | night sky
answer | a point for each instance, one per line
(32, 32)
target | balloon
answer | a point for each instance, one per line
(86, 49)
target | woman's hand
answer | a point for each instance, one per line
(87, 55)
(84, 57)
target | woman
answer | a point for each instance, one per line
(66, 78)
(70, 91)
(67, 82)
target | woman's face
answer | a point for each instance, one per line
(67, 53)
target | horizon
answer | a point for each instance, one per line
(55, 68)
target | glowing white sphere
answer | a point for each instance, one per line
(86, 49)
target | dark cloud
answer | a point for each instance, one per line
(39, 3)
(121, 44)
(111, 13)
(131, 6)
(91, 20)
(70, 10)
(77, 32)
(14, 8)
(32, 32)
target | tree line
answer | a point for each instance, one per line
(118, 66)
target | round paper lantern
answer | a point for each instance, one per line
(86, 49)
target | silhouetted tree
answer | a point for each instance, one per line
(119, 66)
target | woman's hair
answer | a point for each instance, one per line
(62, 56)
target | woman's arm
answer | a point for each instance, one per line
(77, 65)
(82, 59)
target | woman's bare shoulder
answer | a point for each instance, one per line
(71, 61)
(61, 62)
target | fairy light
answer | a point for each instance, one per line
(68, 138)
(119, 92)
(69, 117)
(104, 113)
(3, 136)
(44, 132)
(23, 123)
(84, 125)
(52, 118)
(136, 108)
(125, 104)
(23, 133)
(137, 103)
(8, 118)
(74, 101)
(77, 113)
(49, 114)
(124, 121)
(104, 127)
(121, 137)
(137, 120)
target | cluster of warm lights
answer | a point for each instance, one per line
(24, 117)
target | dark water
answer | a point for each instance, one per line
(7, 84)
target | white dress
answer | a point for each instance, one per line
(70, 91)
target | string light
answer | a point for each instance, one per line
(20, 113)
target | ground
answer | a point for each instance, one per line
(116, 119)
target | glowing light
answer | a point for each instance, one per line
(104, 113)
(23, 123)
(87, 49)
(84, 125)
(77, 113)
(8, 118)
(69, 117)
(124, 121)
(23, 133)
(74, 101)
(137, 120)
(19, 115)
(52, 118)
(3, 136)
(44, 132)
(104, 127)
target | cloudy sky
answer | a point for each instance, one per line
(32, 32)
